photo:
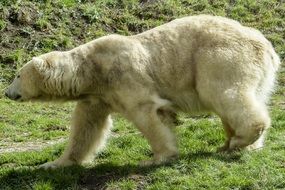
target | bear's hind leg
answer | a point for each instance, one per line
(258, 144)
(90, 127)
(249, 119)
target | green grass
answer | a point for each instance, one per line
(32, 134)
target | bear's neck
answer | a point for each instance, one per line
(86, 77)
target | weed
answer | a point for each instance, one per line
(2, 25)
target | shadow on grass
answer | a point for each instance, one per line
(99, 176)
(78, 177)
(222, 156)
(74, 177)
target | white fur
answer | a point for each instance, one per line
(192, 64)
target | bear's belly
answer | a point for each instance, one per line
(187, 101)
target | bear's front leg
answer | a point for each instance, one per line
(90, 127)
(150, 121)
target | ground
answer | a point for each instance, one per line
(33, 133)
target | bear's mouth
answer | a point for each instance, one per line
(24, 99)
(15, 98)
(18, 97)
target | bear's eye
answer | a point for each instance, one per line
(18, 76)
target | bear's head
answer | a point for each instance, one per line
(46, 77)
(25, 85)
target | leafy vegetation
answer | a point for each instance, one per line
(31, 134)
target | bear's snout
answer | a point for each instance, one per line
(12, 96)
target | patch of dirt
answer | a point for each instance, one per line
(8, 147)
(149, 1)
(56, 128)
(23, 31)
(27, 14)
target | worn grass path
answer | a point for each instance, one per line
(32, 134)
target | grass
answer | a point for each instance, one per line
(31, 134)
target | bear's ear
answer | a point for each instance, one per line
(39, 64)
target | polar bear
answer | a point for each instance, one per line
(192, 64)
